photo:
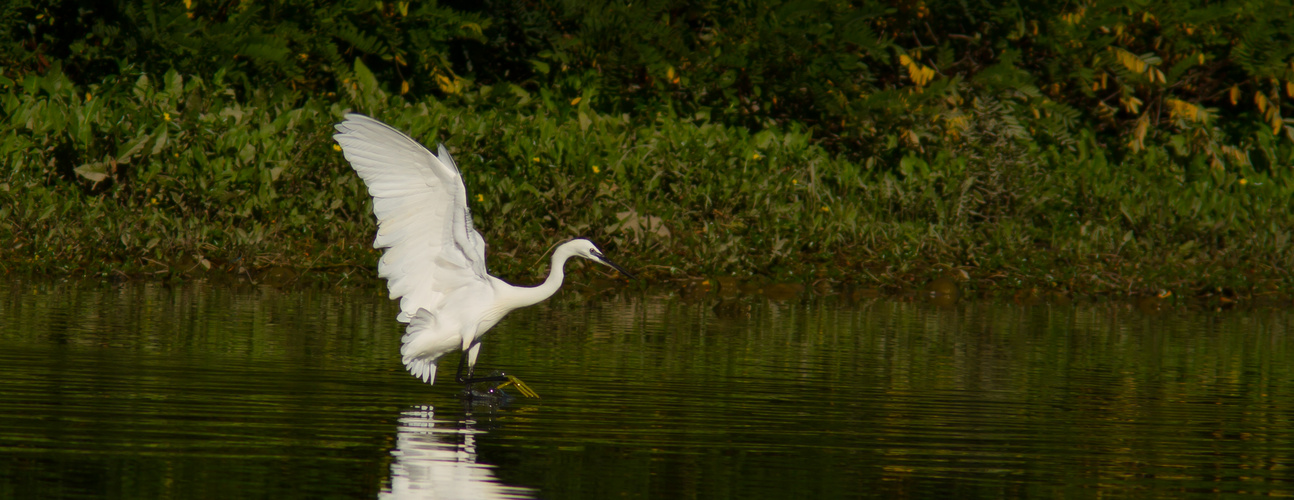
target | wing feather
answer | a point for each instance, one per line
(431, 248)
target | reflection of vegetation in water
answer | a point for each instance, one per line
(905, 393)
(651, 395)
(1089, 147)
(231, 323)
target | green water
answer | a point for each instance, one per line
(235, 391)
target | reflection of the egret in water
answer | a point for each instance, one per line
(440, 462)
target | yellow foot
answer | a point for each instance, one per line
(521, 387)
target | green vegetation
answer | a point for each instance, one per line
(1097, 146)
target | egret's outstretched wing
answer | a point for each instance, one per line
(422, 216)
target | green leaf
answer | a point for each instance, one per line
(364, 76)
(143, 87)
(95, 172)
(174, 83)
(539, 66)
(162, 136)
(128, 150)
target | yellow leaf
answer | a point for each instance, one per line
(1183, 109)
(669, 73)
(1137, 142)
(905, 60)
(448, 85)
(1131, 61)
(1235, 95)
(1289, 89)
(1131, 104)
(575, 101)
(920, 74)
(404, 87)
(1260, 100)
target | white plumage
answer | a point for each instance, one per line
(434, 261)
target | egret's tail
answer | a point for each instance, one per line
(423, 368)
(424, 342)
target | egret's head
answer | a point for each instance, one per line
(585, 248)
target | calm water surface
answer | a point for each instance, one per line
(234, 391)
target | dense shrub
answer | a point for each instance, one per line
(1053, 143)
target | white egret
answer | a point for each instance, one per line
(434, 261)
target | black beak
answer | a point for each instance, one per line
(612, 264)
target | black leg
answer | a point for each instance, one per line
(468, 380)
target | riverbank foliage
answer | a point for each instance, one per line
(1094, 146)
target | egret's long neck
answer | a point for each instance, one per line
(527, 296)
